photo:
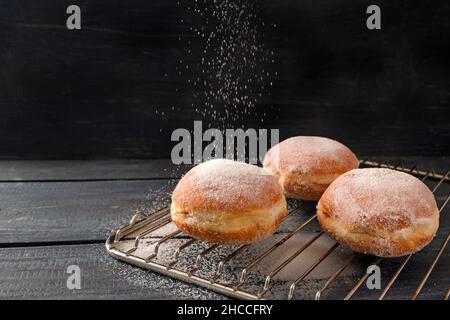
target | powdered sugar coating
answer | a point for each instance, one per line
(310, 155)
(374, 200)
(227, 186)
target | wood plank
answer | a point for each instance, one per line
(40, 273)
(79, 170)
(63, 170)
(113, 89)
(66, 211)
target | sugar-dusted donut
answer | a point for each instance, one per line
(382, 212)
(224, 201)
(305, 166)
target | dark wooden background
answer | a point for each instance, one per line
(94, 93)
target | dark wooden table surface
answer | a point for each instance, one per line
(57, 213)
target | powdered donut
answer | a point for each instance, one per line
(382, 212)
(224, 201)
(305, 166)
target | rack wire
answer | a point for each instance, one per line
(149, 242)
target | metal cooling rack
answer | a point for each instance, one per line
(126, 243)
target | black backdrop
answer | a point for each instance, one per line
(112, 90)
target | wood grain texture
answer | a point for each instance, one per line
(66, 211)
(110, 170)
(43, 226)
(40, 273)
(88, 170)
(100, 92)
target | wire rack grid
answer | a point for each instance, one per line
(275, 269)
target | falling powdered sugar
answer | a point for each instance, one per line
(227, 61)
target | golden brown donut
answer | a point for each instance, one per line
(224, 201)
(305, 166)
(382, 212)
